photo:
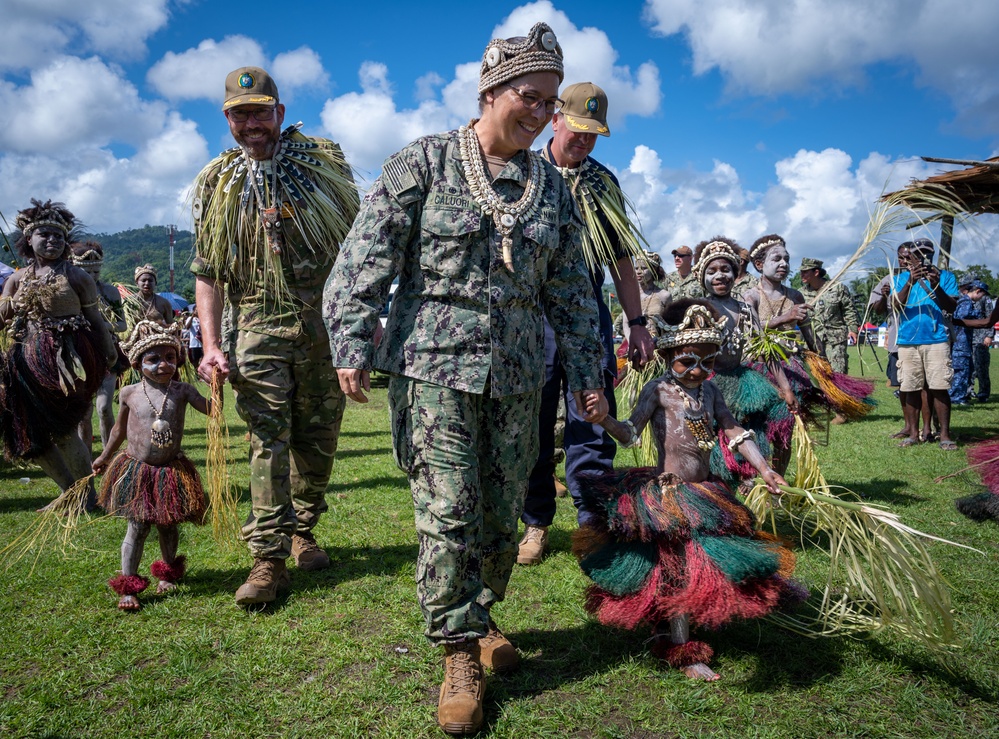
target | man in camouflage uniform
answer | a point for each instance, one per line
(483, 236)
(683, 283)
(834, 318)
(279, 360)
(743, 281)
(588, 448)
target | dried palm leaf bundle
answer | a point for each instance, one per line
(56, 524)
(223, 496)
(881, 573)
(646, 454)
(850, 396)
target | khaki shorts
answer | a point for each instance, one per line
(925, 365)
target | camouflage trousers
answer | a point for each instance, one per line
(837, 356)
(468, 458)
(287, 392)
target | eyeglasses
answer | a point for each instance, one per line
(260, 114)
(533, 101)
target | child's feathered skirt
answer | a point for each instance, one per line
(162, 495)
(664, 548)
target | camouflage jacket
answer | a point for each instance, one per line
(683, 287)
(459, 318)
(834, 314)
(742, 284)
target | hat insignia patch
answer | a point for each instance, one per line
(592, 105)
(246, 80)
(548, 41)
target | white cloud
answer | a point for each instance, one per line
(106, 192)
(35, 31)
(104, 107)
(369, 127)
(821, 204)
(200, 73)
(299, 69)
(771, 47)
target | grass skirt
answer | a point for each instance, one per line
(146, 493)
(661, 548)
(754, 401)
(37, 402)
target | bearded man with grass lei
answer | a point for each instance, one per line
(483, 236)
(671, 545)
(269, 218)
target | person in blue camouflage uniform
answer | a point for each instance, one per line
(588, 448)
(278, 358)
(483, 236)
(962, 356)
(981, 341)
(834, 316)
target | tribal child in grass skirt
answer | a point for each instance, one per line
(152, 483)
(60, 350)
(672, 546)
(756, 402)
(805, 379)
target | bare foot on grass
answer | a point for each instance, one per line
(165, 586)
(701, 671)
(128, 603)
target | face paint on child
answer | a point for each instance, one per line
(719, 276)
(776, 264)
(160, 363)
(692, 365)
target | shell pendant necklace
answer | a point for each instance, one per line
(696, 419)
(161, 435)
(505, 215)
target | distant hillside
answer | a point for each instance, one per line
(126, 250)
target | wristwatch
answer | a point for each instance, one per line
(640, 321)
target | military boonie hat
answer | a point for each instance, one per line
(682, 251)
(585, 108)
(809, 263)
(249, 86)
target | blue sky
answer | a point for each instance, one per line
(734, 117)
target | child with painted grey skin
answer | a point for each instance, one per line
(151, 482)
(671, 545)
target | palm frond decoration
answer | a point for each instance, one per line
(316, 187)
(605, 210)
(57, 523)
(223, 496)
(772, 344)
(646, 454)
(881, 573)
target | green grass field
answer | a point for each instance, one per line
(342, 655)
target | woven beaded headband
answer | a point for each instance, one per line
(764, 245)
(60, 224)
(507, 59)
(89, 258)
(144, 270)
(148, 334)
(697, 327)
(715, 250)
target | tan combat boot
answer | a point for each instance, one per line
(496, 653)
(459, 709)
(308, 555)
(267, 576)
(532, 547)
